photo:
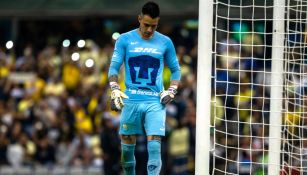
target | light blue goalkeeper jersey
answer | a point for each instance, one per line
(144, 63)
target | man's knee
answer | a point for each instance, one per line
(128, 139)
(154, 137)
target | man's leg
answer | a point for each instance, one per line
(155, 128)
(127, 154)
(154, 155)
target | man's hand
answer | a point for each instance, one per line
(116, 97)
(168, 95)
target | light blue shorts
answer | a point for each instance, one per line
(143, 118)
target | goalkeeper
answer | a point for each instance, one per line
(143, 51)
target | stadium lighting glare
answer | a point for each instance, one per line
(66, 43)
(115, 35)
(38, 126)
(3, 129)
(81, 43)
(9, 44)
(184, 33)
(75, 56)
(89, 63)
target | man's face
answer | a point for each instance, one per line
(148, 26)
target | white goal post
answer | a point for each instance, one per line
(202, 157)
(276, 86)
(252, 87)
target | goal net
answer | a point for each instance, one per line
(259, 87)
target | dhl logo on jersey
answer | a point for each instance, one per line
(145, 50)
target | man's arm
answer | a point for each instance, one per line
(113, 78)
(117, 60)
(172, 62)
(174, 83)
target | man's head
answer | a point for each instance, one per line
(149, 19)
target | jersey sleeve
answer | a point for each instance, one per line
(172, 61)
(118, 56)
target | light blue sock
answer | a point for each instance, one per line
(128, 159)
(154, 157)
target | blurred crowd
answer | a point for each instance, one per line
(241, 102)
(54, 106)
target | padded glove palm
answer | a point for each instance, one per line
(168, 95)
(117, 97)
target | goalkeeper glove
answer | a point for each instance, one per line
(168, 95)
(116, 97)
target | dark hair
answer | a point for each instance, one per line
(152, 9)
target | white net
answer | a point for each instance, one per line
(243, 34)
(294, 133)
